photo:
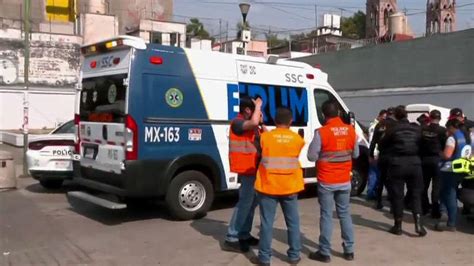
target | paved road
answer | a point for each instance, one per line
(39, 227)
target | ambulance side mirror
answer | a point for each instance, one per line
(301, 132)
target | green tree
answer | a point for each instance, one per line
(274, 41)
(354, 26)
(195, 28)
(241, 27)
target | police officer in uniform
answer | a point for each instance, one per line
(384, 154)
(404, 168)
(433, 138)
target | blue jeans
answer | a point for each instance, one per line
(372, 181)
(240, 224)
(448, 194)
(289, 205)
(326, 199)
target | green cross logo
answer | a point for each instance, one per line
(174, 97)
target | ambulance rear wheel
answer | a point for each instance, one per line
(190, 195)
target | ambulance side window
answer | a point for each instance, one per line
(321, 96)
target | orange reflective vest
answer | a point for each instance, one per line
(279, 172)
(243, 155)
(337, 145)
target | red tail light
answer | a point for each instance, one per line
(77, 144)
(38, 145)
(131, 138)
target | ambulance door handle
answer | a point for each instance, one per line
(301, 132)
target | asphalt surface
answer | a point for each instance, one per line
(40, 227)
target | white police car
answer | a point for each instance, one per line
(50, 156)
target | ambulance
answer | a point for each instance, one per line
(153, 121)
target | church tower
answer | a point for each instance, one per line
(440, 16)
(377, 17)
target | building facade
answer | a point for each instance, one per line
(58, 29)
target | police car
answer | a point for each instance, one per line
(49, 157)
(154, 120)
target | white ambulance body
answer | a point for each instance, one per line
(154, 120)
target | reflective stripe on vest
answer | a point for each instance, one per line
(336, 156)
(243, 146)
(271, 163)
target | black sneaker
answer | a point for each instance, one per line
(256, 261)
(251, 241)
(378, 205)
(319, 257)
(349, 256)
(235, 247)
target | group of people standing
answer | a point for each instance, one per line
(270, 174)
(401, 152)
(419, 154)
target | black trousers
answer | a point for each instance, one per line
(405, 171)
(431, 175)
(383, 165)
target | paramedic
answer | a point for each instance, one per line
(458, 145)
(333, 147)
(279, 179)
(243, 158)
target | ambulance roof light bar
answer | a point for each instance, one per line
(122, 40)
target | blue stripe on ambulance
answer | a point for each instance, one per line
(167, 141)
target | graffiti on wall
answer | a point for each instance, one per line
(52, 64)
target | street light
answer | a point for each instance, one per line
(244, 9)
(245, 34)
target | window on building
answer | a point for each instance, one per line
(175, 39)
(60, 10)
(156, 37)
(436, 26)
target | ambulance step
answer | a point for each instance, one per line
(74, 195)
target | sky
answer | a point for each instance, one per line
(296, 16)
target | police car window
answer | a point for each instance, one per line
(321, 96)
(66, 128)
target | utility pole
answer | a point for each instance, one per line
(227, 31)
(26, 23)
(316, 16)
(220, 31)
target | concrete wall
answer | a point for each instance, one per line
(438, 60)
(46, 109)
(92, 33)
(52, 63)
(131, 12)
(366, 103)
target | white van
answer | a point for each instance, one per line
(415, 110)
(154, 120)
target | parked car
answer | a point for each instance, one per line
(50, 156)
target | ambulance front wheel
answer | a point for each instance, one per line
(358, 182)
(190, 195)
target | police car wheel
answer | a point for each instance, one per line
(51, 184)
(189, 195)
(358, 183)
